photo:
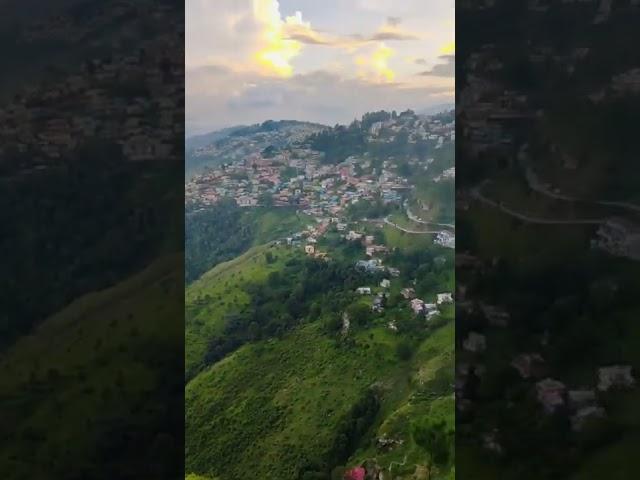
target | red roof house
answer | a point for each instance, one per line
(356, 473)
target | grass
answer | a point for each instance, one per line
(411, 398)
(69, 377)
(395, 238)
(272, 407)
(274, 223)
(220, 292)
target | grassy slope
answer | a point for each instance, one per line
(274, 223)
(413, 398)
(62, 397)
(272, 407)
(218, 293)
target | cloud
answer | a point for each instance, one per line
(376, 66)
(447, 69)
(319, 96)
(303, 32)
(277, 51)
(448, 48)
(391, 31)
(394, 21)
(391, 35)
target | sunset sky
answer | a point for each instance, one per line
(327, 61)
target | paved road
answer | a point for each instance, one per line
(417, 220)
(402, 229)
(477, 194)
(537, 185)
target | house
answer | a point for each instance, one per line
(370, 266)
(551, 394)
(363, 290)
(353, 235)
(444, 298)
(496, 316)
(528, 365)
(616, 376)
(369, 239)
(582, 416)
(394, 272)
(432, 313)
(475, 342)
(309, 249)
(619, 237)
(385, 283)
(378, 303)
(417, 306)
(430, 307)
(357, 473)
(579, 399)
(408, 293)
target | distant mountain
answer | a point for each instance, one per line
(202, 140)
(234, 143)
(432, 110)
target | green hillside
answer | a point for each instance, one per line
(309, 400)
(222, 232)
(220, 292)
(309, 357)
(280, 407)
(86, 373)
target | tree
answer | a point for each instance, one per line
(358, 313)
(435, 438)
(266, 199)
(404, 350)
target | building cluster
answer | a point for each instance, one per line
(255, 139)
(580, 404)
(297, 178)
(418, 128)
(135, 97)
(619, 237)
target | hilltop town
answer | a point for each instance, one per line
(135, 95)
(297, 175)
(338, 198)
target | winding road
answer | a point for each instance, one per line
(537, 185)
(402, 229)
(477, 194)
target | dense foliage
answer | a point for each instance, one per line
(123, 215)
(213, 235)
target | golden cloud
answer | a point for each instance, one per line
(277, 49)
(377, 65)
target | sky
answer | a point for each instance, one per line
(326, 61)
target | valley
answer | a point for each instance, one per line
(320, 339)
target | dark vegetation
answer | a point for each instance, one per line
(305, 290)
(81, 225)
(214, 235)
(340, 142)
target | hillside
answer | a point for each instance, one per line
(290, 400)
(280, 407)
(232, 144)
(321, 337)
(71, 405)
(224, 231)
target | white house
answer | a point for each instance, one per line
(444, 298)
